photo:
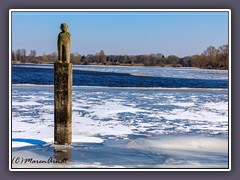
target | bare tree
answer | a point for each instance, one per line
(14, 57)
(102, 57)
(33, 54)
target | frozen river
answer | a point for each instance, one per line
(124, 117)
(152, 122)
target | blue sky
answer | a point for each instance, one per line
(132, 33)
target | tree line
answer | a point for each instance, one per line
(212, 57)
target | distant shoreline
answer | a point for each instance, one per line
(123, 65)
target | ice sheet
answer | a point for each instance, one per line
(180, 143)
(100, 114)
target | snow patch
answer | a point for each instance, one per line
(202, 144)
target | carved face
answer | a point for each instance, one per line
(64, 27)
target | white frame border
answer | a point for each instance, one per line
(119, 10)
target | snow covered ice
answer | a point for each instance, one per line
(142, 125)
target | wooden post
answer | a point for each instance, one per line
(62, 103)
